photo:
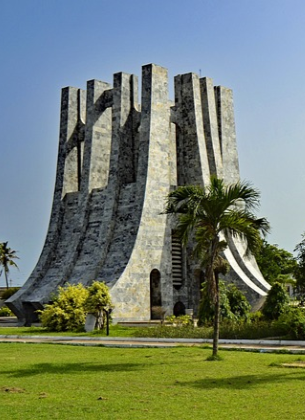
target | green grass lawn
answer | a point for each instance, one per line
(43, 381)
(115, 331)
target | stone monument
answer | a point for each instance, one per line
(117, 161)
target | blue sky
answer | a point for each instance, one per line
(255, 47)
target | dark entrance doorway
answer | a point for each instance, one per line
(155, 295)
(179, 309)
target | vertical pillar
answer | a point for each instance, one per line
(120, 166)
(151, 250)
(97, 137)
(154, 239)
(125, 93)
(153, 171)
(211, 126)
(72, 104)
(193, 165)
(226, 124)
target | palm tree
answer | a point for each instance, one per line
(7, 257)
(207, 216)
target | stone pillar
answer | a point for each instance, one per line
(193, 165)
(226, 124)
(120, 169)
(97, 136)
(151, 251)
(125, 93)
(211, 126)
(71, 136)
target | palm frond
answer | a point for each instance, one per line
(184, 199)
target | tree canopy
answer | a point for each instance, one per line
(276, 264)
(7, 257)
(300, 270)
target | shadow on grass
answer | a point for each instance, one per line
(71, 368)
(243, 381)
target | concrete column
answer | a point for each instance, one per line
(131, 293)
(121, 164)
(97, 136)
(226, 124)
(125, 95)
(210, 123)
(193, 165)
(71, 127)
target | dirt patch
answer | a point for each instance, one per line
(12, 390)
(300, 364)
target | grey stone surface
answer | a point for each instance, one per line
(117, 161)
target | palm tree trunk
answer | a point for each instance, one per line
(216, 318)
(6, 280)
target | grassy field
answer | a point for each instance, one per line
(42, 381)
(115, 331)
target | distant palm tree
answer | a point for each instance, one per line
(206, 216)
(7, 257)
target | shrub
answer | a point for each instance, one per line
(9, 292)
(98, 302)
(244, 328)
(5, 311)
(180, 321)
(67, 312)
(292, 321)
(255, 317)
(276, 302)
(238, 302)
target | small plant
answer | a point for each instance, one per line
(5, 311)
(98, 302)
(180, 321)
(170, 319)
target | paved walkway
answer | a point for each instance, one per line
(263, 346)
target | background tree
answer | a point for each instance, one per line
(207, 215)
(300, 269)
(275, 263)
(233, 304)
(7, 257)
(238, 302)
(276, 302)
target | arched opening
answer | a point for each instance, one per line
(179, 309)
(155, 295)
